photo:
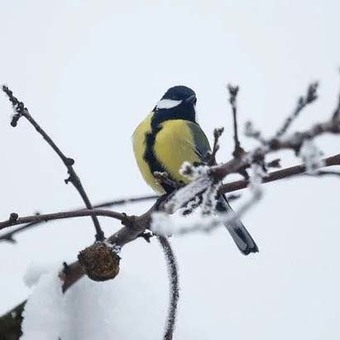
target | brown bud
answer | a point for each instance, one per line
(99, 261)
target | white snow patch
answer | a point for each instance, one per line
(187, 195)
(34, 273)
(194, 172)
(311, 156)
(204, 217)
(125, 308)
(44, 313)
(177, 224)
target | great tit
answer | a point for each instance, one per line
(170, 136)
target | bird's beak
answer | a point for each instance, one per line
(192, 99)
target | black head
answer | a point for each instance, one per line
(180, 93)
(177, 103)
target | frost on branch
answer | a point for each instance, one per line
(311, 156)
(203, 217)
(196, 201)
(199, 175)
(177, 224)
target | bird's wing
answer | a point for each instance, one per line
(201, 143)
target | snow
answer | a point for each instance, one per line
(177, 224)
(193, 172)
(187, 194)
(44, 315)
(202, 218)
(126, 308)
(34, 273)
(311, 156)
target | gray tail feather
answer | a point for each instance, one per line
(237, 230)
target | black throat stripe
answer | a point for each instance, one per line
(160, 116)
(151, 160)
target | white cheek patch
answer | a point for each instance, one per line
(168, 103)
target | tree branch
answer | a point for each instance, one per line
(278, 175)
(124, 201)
(216, 146)
(59, 216)
(302, 102)
(173, 287)
(22, 111)
(9, 236)
(290, 142)
(233, 91)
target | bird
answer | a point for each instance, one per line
(170, 136)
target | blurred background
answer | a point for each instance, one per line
(89, 71)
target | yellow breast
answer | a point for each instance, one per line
(139, 146)
(174, 145)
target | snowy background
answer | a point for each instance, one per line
(89, 71)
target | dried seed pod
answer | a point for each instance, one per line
(99, 261)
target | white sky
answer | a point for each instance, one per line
(89, 71)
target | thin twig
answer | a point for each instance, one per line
(9, 236)
(22, 111)
(233, 91)
(173, 286)
(302, 102)
(124, 201)
(251, 132)
(290, 142)
(216, 146)
(238, 150)
(278, 175)
(62, 215)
